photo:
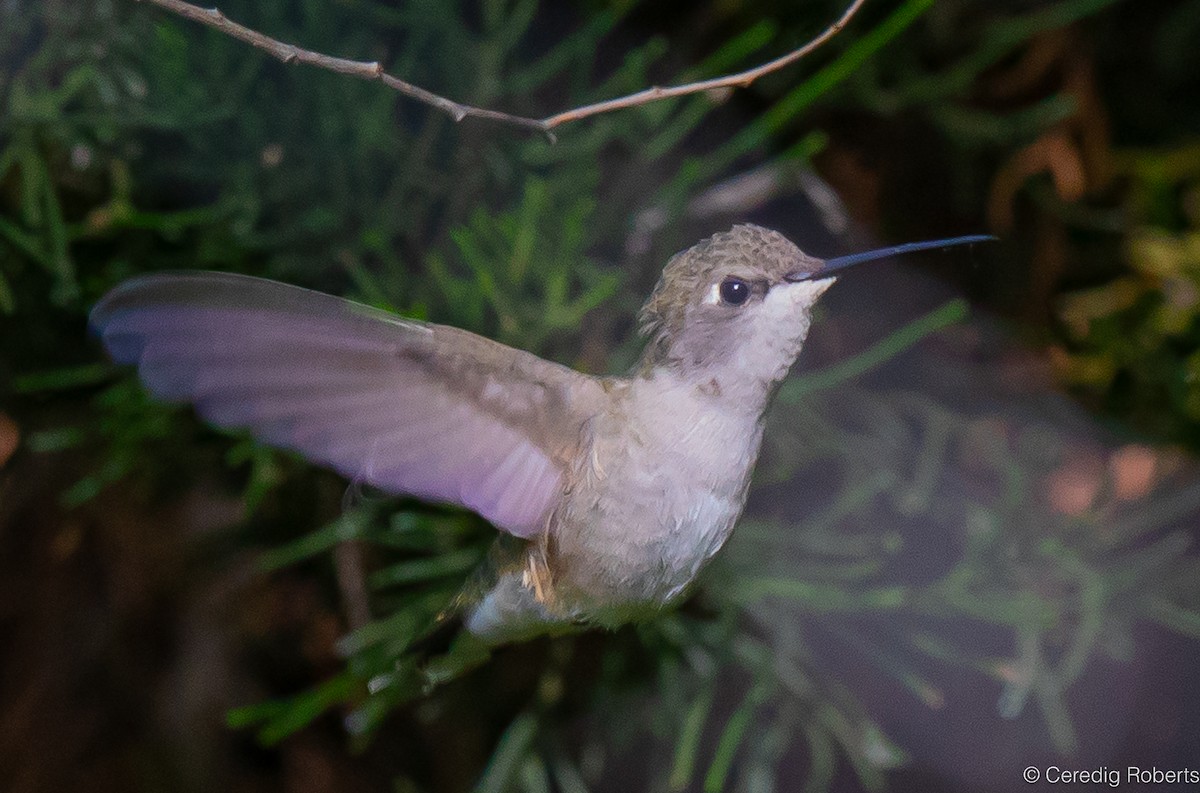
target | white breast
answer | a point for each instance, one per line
(658, 494)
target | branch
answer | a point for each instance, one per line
(739, 80)
(350, 571)
(372, 70)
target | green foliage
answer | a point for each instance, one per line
(506, 278)
(1064, 582)
(886, 349)
(788, 109)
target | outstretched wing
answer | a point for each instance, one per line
(410, 407)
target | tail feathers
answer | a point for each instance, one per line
(494, 607)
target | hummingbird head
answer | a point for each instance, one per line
(733, 308)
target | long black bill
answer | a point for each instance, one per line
(842, 262)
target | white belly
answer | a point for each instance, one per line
(655, 498)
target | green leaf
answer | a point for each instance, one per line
(63, 379)
(895, 343)
(415, 571)
(687, 746)
(509, 756)
(731, 740)
(347, 527)
(281, 718)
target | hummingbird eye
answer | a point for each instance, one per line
(734, 291)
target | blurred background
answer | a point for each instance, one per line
(969, 545)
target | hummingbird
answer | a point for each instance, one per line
(614, 491)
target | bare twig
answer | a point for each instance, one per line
(372, 70)
(350, 569)
(739, 80)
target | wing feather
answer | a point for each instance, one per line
(408, 406)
